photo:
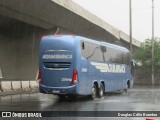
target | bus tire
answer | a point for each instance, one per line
(127, 87)
(94, 91)
(101, 90)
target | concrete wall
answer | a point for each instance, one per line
(19, 49)
(18, 85)
(19, 52)
(143, 76)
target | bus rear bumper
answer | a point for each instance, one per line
(57, 90)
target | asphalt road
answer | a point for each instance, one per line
(139, 98)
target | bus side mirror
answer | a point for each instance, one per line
(103, 49)
(83, 45)
(136, 64)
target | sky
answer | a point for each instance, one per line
(116, 13)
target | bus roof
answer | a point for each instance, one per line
(91, 40)
(116, 46)
(104, 43)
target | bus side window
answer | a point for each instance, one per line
(98, 55)
(91, 51)
(84, 49)
(125, 59)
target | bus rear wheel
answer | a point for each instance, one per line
(101, 90)
(94, 92)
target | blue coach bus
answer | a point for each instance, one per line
(73, 65)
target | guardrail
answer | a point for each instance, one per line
(17, 85)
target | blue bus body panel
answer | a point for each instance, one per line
(59, 56)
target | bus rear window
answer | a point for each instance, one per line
(55, 65)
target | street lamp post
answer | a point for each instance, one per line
(130, 24)
(152, 42)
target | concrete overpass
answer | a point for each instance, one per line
(23, 22)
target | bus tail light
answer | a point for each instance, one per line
(44, 36)
(57, 35)
(75, 78)
(40, 76)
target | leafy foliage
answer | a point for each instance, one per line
(144, 54)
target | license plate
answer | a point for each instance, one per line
(56, 91)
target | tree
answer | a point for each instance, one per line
(144, 54)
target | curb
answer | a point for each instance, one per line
(17, 85)
(20, 91)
